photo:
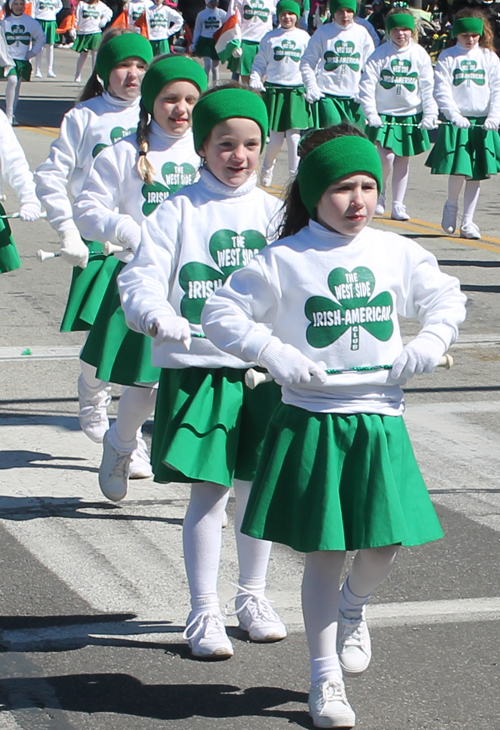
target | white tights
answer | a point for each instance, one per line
(400, 167)
(82, 57)
(202, 540)
(211, 65)
(12, 95)
(136, 405)
(49, 48)
(274, 145)
(471, 195)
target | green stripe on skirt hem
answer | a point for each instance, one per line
(9, 257)
(287, 108)
(473, 152)
(403, 141)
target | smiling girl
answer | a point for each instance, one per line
(319, 310)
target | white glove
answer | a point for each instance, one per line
(289, 366)
(256, 82)
(459, 121)
(313, 93)
(73, 249)
(237, 52)
(421, 355)
(429, 122)
(129, 235)
(491, 124)
(192, 48)
(165, 327)
(30, 211)
(374, 120)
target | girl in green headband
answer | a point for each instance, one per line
(319, 311)
(467, 90)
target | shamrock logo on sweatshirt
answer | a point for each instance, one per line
(90, 12)
(468, 72)
(256, 9)
(398, 76)
(286, 51)
(176, 176)
(46, 5)
(212, 23)
(17, 34)
(342, 57)
(230, 251)
(354, 307)
(116, 134)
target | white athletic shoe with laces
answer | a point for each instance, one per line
(140, 465)
(93, 414)
(206, 635)
(380, 209)
(113, 472)
(328, 704)
(399, 212)
(38, 74)
(470, 230)
(257, 616)
(353, 642)
(449, 219)
(51, 74)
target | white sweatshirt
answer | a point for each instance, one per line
(208, 22)
(279, 56)
(24, 35)
(92, 17)
(135, 8)
(162, 22)
(189, 246)
(468, 82)
(46, 9)
(14, 166)
(116, 198)
(256, 17)
(398, 81)
(85, 130)
(335, 58)
(337, 300)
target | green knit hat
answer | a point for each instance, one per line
(468, 25)
(173, 68)
(348, 155)
(217, 106)
(117, 49)
(339, 4)
(400, 20)
(288, 6)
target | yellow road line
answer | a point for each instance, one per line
(48, 131)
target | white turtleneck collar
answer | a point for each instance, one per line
(121, 103)
(220, 189)
(162, 134)
(401, 49)
(332, 238)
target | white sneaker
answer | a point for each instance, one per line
(328, 705)
(140, 465)
(449, 219)
(257, 616)
(266, 176)
(206, 635)
(399, 212)
(38, 74)
(93, 414)
(78, 79)
(470, 230)
(51, 74)
(380, 209)
(353, 642)
(113, 472)
(224, 519)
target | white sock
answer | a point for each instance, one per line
(387, 158)
(400, 175)
(455, 183)
(471, 199)
(253, 554)
(272, 149)
(207, 64)
(89, 377)
(325, 666)
(320, 600)
(50, 57)
(215, 72)
(349, 601)
(136, 405)
(292, 141)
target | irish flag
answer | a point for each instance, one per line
(228, 38)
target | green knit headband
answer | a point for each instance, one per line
(225, 104)
(468, 25)
(173, 68)
(117, 49)
(339, 4)
(333, 160)
(288, 6)
(400, 20)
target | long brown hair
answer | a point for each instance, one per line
(487, 39)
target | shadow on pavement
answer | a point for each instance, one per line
(41, 111)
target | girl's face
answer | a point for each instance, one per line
(174, 105)
(400, 36)
(349, 204)
(232, 150)
(17, 7)
(125, 79)
(343, 17)
(468, 40)
(287, 20)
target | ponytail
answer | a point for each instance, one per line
(144, 167)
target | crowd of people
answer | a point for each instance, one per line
(193, 282)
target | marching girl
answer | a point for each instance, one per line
(91, 17)
(162, 22)
(125, 185)
(107, 112)
(208, 22)
(208, 427)
(45, 12)
(337, 471)
(134, 10)
(467, 90)
(15, 170)
(278, 62)
(332, 64)
(396, 95)
(25, 39)
(256, 19)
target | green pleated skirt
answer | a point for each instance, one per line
(473, 152)
(403, 141)
(120, 355)
(331, 110)
(87, 42)
(49, 27)
(205, 47)
(328, 481)
(243, 65)
(209, 426)
(287, 108)
(22, 69)
(9, 257)
(160, 47)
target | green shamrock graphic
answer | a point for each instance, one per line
(158, 21)
(175, 176)
(90, 13)
(212, 23)
(17, 34)
(468, 72)
(352, 309)
(286, 51)
(342, 57)
(136, 14)
(256, 9)
(116, 134)
(230, 251)
(399, 76)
